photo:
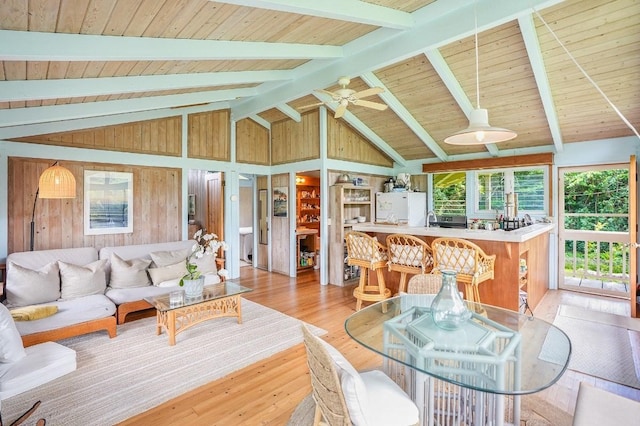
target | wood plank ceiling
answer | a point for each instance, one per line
(75, 59)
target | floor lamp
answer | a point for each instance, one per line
(55, 182)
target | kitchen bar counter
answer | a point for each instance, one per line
(516, 236)
(530, 244)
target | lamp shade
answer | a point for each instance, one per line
(57, 182)
(480, 132)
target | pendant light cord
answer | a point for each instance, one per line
(475, 17)
(617, 111)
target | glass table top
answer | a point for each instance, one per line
(169, 301)
(497, 350)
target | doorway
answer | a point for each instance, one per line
(594, 230)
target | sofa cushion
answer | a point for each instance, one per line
(79, 281)
(42, 363)
(206, 264)
(32, 313)
(168, 258)
(143, 250)
(166, 273)
(11, 349)
(128, 273)
(29, 287)
(70, 312)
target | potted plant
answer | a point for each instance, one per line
(206, 245)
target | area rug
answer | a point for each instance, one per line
(138, 370)
(601, 344)
(535, 412)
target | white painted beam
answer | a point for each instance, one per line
(25, 90)
(363, 129)
(532, 44)
(261, 121)
(289, 112)
(21, 116)
(405, 116)
(38, 46)
(344, 10)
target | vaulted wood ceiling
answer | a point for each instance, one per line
(74, 59)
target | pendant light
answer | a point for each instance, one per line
(479, 132)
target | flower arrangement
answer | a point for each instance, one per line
(206, 245)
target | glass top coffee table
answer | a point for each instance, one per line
(176, 314)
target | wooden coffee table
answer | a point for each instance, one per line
(218, 300)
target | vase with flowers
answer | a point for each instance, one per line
(206, 245)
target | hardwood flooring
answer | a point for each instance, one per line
(267, 392)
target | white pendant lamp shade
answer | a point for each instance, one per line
(480, 132)
(57, 182)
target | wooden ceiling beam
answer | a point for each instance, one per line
(343, 10)
(531, 160)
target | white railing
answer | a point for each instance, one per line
(596, 256)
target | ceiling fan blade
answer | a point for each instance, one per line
(368, 92)
(369, 104)
(340, 110)
(334, 96)
(310, 106)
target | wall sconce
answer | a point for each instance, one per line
(299, 180)
(55, 182)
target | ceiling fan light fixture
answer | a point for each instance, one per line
(480, 132)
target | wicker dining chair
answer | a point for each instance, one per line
(366, 252)
(342, 395)
(472, 265)
(408, 255)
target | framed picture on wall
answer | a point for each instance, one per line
(280, 195)
(108, 202)
(192, 204)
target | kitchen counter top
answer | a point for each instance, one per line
(516, 236)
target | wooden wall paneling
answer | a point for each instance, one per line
(291, 141)
(210, 135)
(60, 223)
(161, 137)
(346, 144)
(280, 235)
(196, 184)
(252, 143)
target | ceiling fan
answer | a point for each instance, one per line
(344, 96)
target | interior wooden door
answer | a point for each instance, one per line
(633, 235)
(215, 204)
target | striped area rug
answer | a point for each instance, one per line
(138, 370)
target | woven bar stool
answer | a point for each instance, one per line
(471, 263)
(408, 255)
(366, 252)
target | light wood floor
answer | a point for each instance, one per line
(267, 392)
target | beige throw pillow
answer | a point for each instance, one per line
(28, 287)
(206, 264)
(166, 273)
(168, 258)
(129, 273)
(78, 281)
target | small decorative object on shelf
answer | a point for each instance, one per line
(206, 245)
(448, 309)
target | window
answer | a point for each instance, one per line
(449, 193)
(491, 187)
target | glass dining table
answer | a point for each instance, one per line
(473, 375)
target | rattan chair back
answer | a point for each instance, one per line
(325, 383)
(424, 284)
(366, 251)
(408, 255)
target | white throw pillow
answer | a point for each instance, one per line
(168, 258)
(11, 349)
(28, 287)
(206, 264)
(129, 273)
(353, 387)
(79, 281)
(166, 273)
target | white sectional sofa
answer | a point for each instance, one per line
(93, 290)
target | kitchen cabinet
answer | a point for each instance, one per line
(346, 204)
(308, 207)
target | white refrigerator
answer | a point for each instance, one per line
(409, 208)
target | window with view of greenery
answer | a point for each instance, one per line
(529, 185)
(449, 193)
(490, 190)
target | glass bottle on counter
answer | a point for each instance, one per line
(448, 309)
